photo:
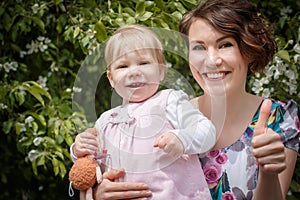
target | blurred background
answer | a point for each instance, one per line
(51, 68)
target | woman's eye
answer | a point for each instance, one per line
(198, 47)
(227, 44)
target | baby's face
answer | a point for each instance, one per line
(136, 75)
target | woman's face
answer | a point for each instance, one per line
(215, 60)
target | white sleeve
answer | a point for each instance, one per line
(73, 157)
(195, 131)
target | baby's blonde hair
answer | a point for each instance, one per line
(132, 38)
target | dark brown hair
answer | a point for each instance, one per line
(241, 20)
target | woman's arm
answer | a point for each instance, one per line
(109, 190)
(276, 163)
(285, 177)
(273, 186)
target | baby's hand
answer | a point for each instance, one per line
(170, 143)
(86, 143)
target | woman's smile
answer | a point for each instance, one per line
(215, 76)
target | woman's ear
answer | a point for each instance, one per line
(109, 76)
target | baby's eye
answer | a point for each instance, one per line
(122, 66)
(144, 63)
(226, 44)
(198, 47)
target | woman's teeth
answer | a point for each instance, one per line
(215, 75)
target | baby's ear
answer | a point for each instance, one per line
(111, 81)
(162, 72)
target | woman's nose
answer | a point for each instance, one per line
(213, 59)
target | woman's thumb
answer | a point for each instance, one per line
(264, 114)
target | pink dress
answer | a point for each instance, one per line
(128, 133)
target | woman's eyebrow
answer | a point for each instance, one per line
(218, 40)
(223, 38)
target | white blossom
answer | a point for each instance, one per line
(35, 8)
(169, 65)
(33, 154)
(297, 48)
(23, 128)
(77, 89)
(53, 67)
(9, 66)
(37, 141)
(296, 58)
(40, 44)
(266, 92)
(285, 11)
(3, 106)
(43, 82)
(29, 121)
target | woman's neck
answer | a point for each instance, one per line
(230, 114)
(229, 106)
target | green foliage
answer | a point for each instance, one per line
(44, 44)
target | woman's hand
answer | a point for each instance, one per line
(85, 144)
(108, 189)
(267, 146)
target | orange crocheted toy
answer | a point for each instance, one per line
(85, 172)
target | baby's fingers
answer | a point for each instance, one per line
(160, 142)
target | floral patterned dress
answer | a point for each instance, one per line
(231, 172)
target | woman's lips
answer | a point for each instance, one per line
(215, 75)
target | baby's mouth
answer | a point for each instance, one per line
(136, 85)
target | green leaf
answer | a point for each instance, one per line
(49, 141)
(35, 127)
(177, 15)
(129, 11)
(20, 96)
(130, 20)
(145, 17)
(101, 33)
(160, 4)
(59, 154)
(140, 8)
(56, 128)
(69, 139)
(36, 90)
(39, 22)
(6, 21)
(180, 8)
(38, 117)
(55, 164)
(63, 169)
(284, 55)
(189, 3)
(18, 127)
(59, 138)
(34, 167)
(76, 32)
(40, 161)
(7, 126)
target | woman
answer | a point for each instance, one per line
(255, 156)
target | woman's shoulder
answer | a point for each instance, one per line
(194, 102)
(290, 106)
